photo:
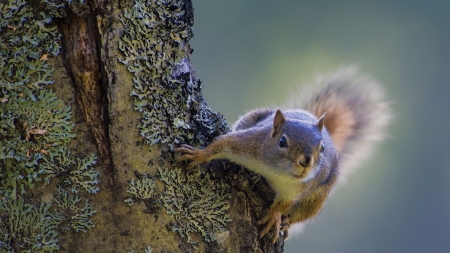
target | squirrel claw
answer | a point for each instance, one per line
(285, 225)
(186, 150)
(197, 156)
(188, 147)
(273, 220)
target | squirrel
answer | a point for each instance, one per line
(302, 152)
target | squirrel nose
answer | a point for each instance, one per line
(304, 160)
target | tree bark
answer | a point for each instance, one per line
(94, 96)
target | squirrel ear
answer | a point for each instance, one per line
(321, 121)
(278, 122)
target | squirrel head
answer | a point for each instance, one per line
(297, 145)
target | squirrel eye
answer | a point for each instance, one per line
(283, 142)
(322, 148)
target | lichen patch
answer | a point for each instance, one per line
(197, 203)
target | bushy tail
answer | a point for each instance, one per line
(357, 112)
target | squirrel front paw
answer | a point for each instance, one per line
(197, 156)
(272, 220)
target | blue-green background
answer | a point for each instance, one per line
(254, 53)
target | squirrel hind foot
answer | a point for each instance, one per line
(272, 220)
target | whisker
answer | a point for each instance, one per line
(281, 172)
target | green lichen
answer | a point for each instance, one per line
(142, 189)
(155, 51)
(26, 44)
(26, 228)
(35, 125)
(69, 214)
(58, 8)
(198, 204)
(32, 120)
(77, 172)
(31, 128)
(35, 129)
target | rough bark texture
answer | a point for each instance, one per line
(124, 72)
(80, 44)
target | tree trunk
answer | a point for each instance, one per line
(94, 96)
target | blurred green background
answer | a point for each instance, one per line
(254, 53)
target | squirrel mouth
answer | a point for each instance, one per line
(306, 174)
(298, 176)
